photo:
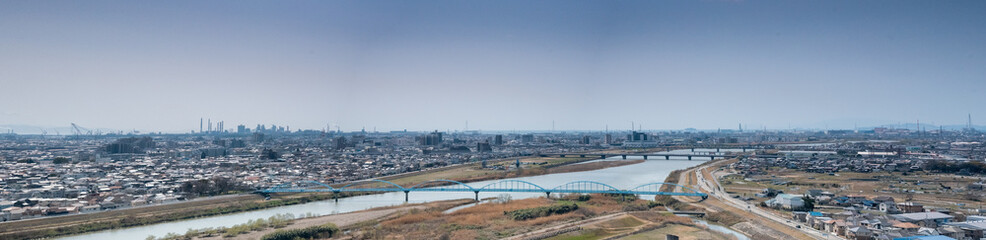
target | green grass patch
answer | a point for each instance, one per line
(320, 231)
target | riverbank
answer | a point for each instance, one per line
(514, 219)
(623, 177)
(727, 214)
(342, 221)
(84, 223)
(132, 217)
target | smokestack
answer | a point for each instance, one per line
(969, 125)
(200, 125)
(210, 125)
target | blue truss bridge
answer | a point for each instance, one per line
(504, 186)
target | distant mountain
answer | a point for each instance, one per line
(927, 127)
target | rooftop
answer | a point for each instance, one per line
(909, 217)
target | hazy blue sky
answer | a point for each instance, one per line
(421, 65)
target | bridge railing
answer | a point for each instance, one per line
(372, 185)
(444, 185)
(512, 186)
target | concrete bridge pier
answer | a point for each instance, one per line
(667, 157)
(335, 196)
(562, 155)
(689, 158)
(717, 149)
(477, 195)
(582, 156)
(645, 157)
(548, 194)
(624, 156)
(712, 158)
(693, 149)
(602, 156)
(405, 195)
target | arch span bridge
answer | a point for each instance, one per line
(443, 185)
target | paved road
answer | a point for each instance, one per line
(715, 190)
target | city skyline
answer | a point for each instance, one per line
(233, 128)
(500, 66)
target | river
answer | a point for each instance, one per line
(623, 177)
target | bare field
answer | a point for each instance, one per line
(682, 231)
(930, 189)
(490, 221)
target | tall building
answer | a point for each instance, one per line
(637, 136)
(341, 143)
(483, 147)
(585, 140)
(527, 138)
(639, 140)
(498, 140)
(609, 138)
(434, 138)
(242, 129)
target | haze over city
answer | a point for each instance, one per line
(514, 65)
(507, 119)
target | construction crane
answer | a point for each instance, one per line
(79, 130)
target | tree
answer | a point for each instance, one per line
(809, 203)
(61, 160)
(503, 198)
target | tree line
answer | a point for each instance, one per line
(971, 167)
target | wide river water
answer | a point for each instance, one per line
(623, 177)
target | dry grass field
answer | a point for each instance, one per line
(488, 220)
(930, 189)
